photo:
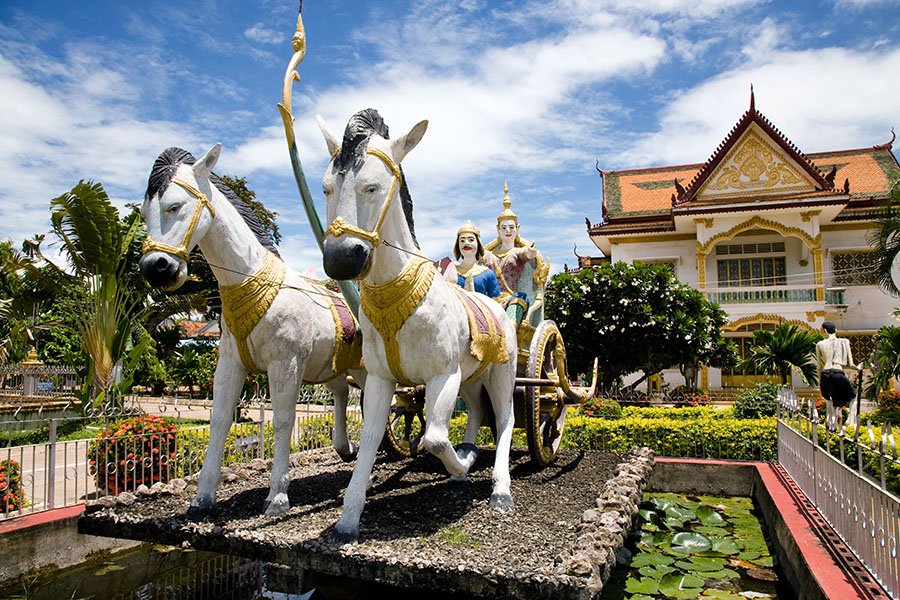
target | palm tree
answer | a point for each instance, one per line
(886, 241)
(886, 361)
(777, 352)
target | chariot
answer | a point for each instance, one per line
(542, 394)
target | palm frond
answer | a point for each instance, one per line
(88, 224)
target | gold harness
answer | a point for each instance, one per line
(388, 306)
(182, 250)
(244, 304)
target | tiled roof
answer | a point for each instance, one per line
(648, 191)
(193, 329)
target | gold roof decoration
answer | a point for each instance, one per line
(469, 228)
(507, 213)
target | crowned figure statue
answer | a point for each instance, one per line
(470, 274)
(520, 268)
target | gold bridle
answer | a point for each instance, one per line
(181, 250)
(340, 227)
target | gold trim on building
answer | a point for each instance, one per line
(848, 226)
(764, 318)
(757, 221)
(808, 215)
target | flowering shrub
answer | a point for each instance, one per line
(888, 409)
(601, 407)
(684, 396)
(132, 452)
(12, 496)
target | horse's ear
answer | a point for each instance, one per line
(204, 166)
(331, 140)
(402, 145)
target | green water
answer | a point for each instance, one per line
(688, 546)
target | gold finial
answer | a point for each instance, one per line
(507, 213)
(468, 228)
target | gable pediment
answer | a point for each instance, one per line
(755, 165)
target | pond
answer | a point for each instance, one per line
(688, 546)
(684, 546)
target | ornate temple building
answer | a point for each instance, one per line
(768, 232)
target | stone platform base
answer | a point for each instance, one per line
(417, 532)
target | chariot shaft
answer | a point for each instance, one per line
(348, 289)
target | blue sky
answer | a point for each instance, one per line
(531, 92)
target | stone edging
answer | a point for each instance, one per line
(603, 530)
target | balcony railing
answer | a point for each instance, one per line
(762, 295)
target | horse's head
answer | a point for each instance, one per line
(178, 213)
(360, 187)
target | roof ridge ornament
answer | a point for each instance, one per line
(887, 145)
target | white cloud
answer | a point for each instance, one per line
(262, 34)
(822, 100)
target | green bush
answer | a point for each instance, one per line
(683, 396)
(131, 452)
(721, 438)
(748, 439)
(688, 413)
(12, 496)
(760, 401)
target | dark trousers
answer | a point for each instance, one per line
(835, 386)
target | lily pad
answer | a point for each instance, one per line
(643, 559)
(679, 585)
(640, 597)
(644, 585)
(721, 595)
(724, 545)
(697, 563)
(709, 516)
(656, 572)
(689, 543)
(709, 530)
(764, 561)
(724, 574)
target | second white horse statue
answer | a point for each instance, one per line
(417, 328)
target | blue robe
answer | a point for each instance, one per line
(484, 281)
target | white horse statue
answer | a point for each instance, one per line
(273, 320)
(417, 328)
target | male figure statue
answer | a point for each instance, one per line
(469, 274)
(832, 357)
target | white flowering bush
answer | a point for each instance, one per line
(635, 317)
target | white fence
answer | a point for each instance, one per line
(144, 449)
(846, 479)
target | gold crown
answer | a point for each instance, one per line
(507, 213)
(468, 228)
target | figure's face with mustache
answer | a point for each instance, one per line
(468, 246)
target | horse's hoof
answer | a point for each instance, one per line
(349, 456)
(458, 485)
(345, 535)
(277, 505)
(502, 502)
(200, 509)
(467, 453)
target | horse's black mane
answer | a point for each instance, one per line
(164, 170)
(362, 126)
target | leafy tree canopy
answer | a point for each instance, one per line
(777, 352)
(635, 317)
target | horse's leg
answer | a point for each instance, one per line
(440, 398)
(501, 381)
(342, 444)
(376, 403)
(284, 383)
(468, 451)
(227, 382)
